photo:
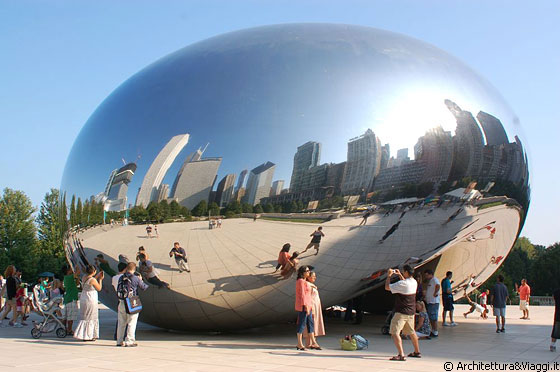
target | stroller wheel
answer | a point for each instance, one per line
(385, 330)
(61, 333)
(35, 333)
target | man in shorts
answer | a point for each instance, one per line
(315, 240)
(447, 297)
(405, 308)
(499, 298)
(432, 299)
(71, 304)
(524, 292)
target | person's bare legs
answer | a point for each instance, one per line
(414, 339)
(398, 343)
(503, 322)
(306, 248)
(443, 317)
(300, 341)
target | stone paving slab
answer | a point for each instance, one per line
(272, 348)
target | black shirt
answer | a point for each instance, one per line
(317, 237)
(500, 294)
(11, 288)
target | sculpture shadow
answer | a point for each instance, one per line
(267, 264)
(240, 283)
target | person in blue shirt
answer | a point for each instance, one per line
(447, 297)
(126, 320)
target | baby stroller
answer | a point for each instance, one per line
(50, 322)
(386, 327)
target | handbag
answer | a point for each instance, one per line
(132, 305)
(348, 343)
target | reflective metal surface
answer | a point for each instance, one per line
(315, 118)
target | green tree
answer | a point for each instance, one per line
(73, 221)
(214, 209)
(246, 208)
(268, 208)
(50, 228)
(278, 208)
(165, 209)
(544, 271)
(234, 207)
(185, 212)
(155, 212)
(174, 209)
(201, 209)
(257, 209)
(138, 214)
(18, 242)
(79, 213)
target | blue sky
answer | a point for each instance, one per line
(61, 59)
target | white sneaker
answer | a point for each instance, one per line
(17, 325)
(453, 324)
(446, 324)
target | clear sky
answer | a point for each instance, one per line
(60, 59)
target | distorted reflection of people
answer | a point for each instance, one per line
(291, 266)
(283, 256)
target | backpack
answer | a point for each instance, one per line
(124, 287)
(348, 343)
(361, 342)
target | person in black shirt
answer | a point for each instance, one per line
(556, 327)
(11, 288)
(315, 240)
(180, 256)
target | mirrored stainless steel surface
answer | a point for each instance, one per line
(300, 126)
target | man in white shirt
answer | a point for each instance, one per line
(405, 308)
(432, 299)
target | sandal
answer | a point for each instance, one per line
(415, 355)
(399, 358)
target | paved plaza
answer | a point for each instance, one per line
(273, 347)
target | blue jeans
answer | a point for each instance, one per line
(432, 310)
(303, 320)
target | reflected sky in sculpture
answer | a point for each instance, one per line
(298, 113)
(256, 95)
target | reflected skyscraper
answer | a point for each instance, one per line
(225, 191)
(277, 187)
(117, 195)
(493, 129)
(363, 163)
(241, 180)
(307, 156)
(154, 176)
(195, 180)
(467, 144)
(435, 149)
(259, 182)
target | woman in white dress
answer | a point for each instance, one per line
(88, 327)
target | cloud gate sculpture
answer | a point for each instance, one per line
(241, 143)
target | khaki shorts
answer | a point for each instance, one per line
(402, 322)
(523, 305)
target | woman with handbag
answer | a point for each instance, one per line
(88, 327)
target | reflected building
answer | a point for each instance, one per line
(259, 182)
(363, 163)
(307, 156)
(117, 196)
(467, 144)
(493, 129)
(385, 156)
(435, 149)
(163, 192)
(225, 190)
(241, 180)
(195, 179)
(154, 176)
(276, 188)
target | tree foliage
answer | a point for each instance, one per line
(18, 240)
(50, 228)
